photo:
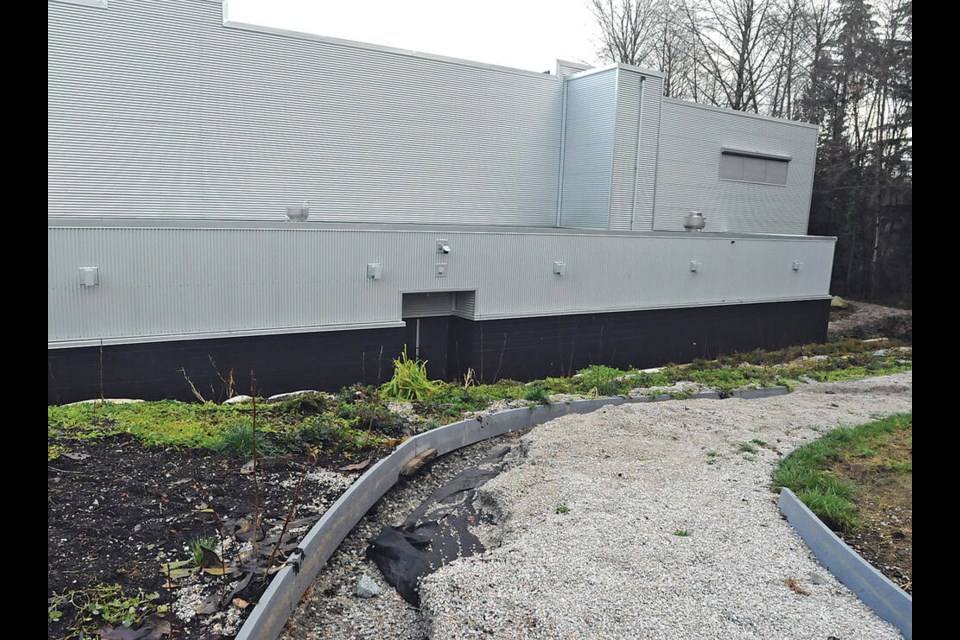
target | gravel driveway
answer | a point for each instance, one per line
(667, 528)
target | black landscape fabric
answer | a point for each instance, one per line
(437, 532)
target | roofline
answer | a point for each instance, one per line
(278, 223)
(746, 114)
(366, 46)
(611, 67)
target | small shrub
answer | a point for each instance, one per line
(682, 533)
(537, 394)
(562, 508)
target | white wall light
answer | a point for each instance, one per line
(374, 270)
(560, 268)
(797, 265)
(89, 276)
(695, 265)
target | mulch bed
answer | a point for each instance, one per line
(117, 510)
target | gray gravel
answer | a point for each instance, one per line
(668, 530)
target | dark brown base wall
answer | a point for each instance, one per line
(522, 349)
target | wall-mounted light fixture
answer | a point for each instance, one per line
(559, 268)
(797, 265)
(374, 270)
(695, 265)
(442, 246)
(89, 276)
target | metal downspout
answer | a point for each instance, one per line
(636, 158)
(563, 141)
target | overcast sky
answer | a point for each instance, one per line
(525, 34)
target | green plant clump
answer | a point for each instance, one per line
(197, 546)
(89, 609)
(409, 381)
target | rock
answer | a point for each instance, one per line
(105, 401)
(291, 394)
(838, 303)
(366, 587)
(238, 399)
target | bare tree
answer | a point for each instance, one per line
(674, 51)
(627, 29)
(736, 38)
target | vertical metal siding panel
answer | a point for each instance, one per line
(156, 109)
(647, 154)
(588, 150)
(688, 176)
(625, 149)
(163, 283)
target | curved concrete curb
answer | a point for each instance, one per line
(267, 619)
(888, 601)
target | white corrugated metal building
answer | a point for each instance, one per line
(176, 142)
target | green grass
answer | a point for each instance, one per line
(806, 470)
(682, 533)
(562, 508)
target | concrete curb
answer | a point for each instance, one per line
(267, 619)
(874, 589)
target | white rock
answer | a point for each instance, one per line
(291, 394)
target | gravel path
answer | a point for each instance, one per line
(634, 479)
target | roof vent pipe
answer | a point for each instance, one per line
(299, 214)
(694, 221)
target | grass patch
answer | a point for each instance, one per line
(810, 470)
(562, 508)
(682, 533)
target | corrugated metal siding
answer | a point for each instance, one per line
(688, 178)
(156, 109)
(164, 283)
(588, 150)
(625, 142)
(647, 153)
(423, 305)
(465, 304)
(566, 68)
